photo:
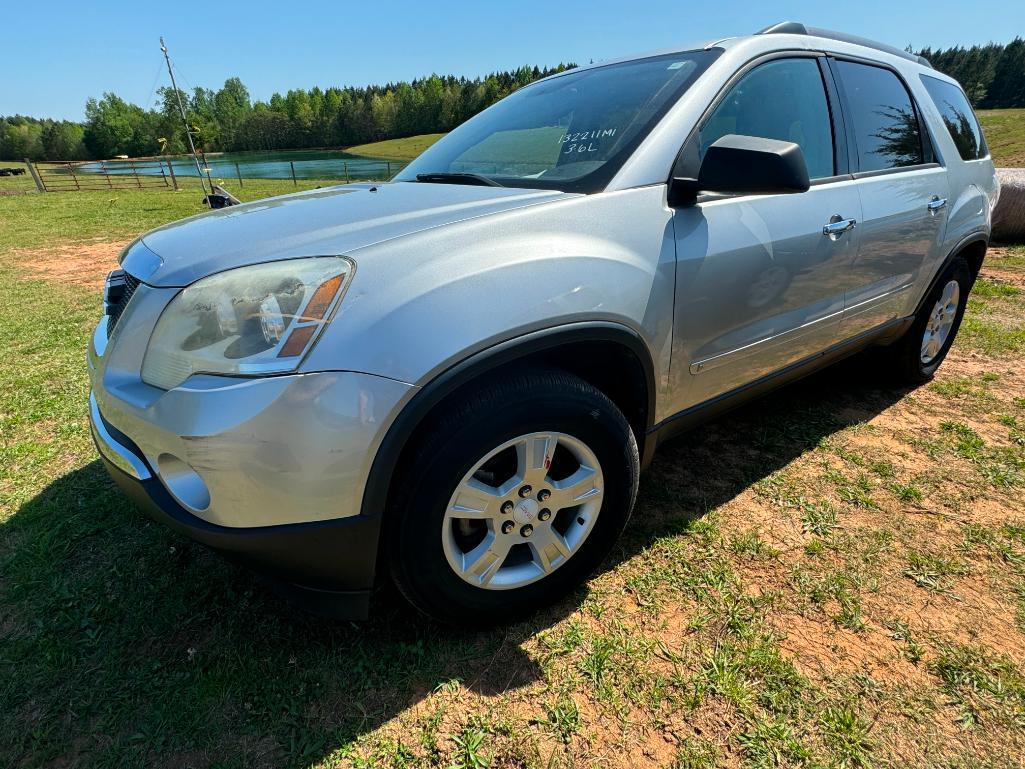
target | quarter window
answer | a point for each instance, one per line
(886, 126)
(785, 100)
(958, 116)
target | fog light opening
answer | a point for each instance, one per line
(183, 482)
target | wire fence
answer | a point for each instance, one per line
(173, 173)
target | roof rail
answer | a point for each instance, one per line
(797, 28)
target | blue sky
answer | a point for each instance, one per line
(54, 53)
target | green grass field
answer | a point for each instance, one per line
(14, 184)
(845, 589)
(396, 149)
(1005, 134)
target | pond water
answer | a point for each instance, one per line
(309, 164)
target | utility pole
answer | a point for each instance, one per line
(185, 120)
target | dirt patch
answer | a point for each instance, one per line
(822, 651)
(996, 268)
(80, 264)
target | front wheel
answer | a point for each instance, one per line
(515, 495)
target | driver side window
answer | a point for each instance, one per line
(784, 100)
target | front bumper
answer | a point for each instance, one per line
(268, 471)
(325, 566)
(243, 452)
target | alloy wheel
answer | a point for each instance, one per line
(941, 321)
(522, 511)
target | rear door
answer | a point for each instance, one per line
(903, 194)
(759, 284)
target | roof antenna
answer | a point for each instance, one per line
(185, 120)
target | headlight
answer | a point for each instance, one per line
(252, 320)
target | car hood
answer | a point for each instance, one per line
(335, 220)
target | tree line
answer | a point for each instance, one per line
(27, 137)
(228, 119)
(993, 75)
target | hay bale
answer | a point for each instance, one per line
(1009, 216)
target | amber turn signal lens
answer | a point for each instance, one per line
(297, 341)
(322, 298)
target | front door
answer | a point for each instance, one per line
(760, 284)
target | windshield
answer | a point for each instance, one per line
(571, 132)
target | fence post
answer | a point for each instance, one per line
(174, 179)
(73, 177)
(35, 175)
(294, 182)
(238, 173)
(106, 174)
(389, 169)
(346, 166)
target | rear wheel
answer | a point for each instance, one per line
(919, 353)
(513, 497)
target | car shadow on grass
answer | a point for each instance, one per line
(124, 644)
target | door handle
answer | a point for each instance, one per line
(936, 204)
(838, 226)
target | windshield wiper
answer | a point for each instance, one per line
(447, 178)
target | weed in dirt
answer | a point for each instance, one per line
(749, 543)
(836, 593)
(883, 468)
(973, 394)
(846, 736)
(906, 492)
(772, 742)
(856, 490)
(814, 547)
(613, 664)
(695, 754)
(562, 718)
(818, 519)
(901, 631)
(1002, 466)
(933, 572)
(984, 684)
(469, 749)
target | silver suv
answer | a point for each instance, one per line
(455, 379)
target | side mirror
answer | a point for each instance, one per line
(746, 165)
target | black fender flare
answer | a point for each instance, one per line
(386, 460)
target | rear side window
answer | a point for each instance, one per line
(886, 126)
(958, 116)
(784, 100)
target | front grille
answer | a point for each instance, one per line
(117, 294)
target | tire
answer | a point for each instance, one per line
(428, 541)
(910, 362)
